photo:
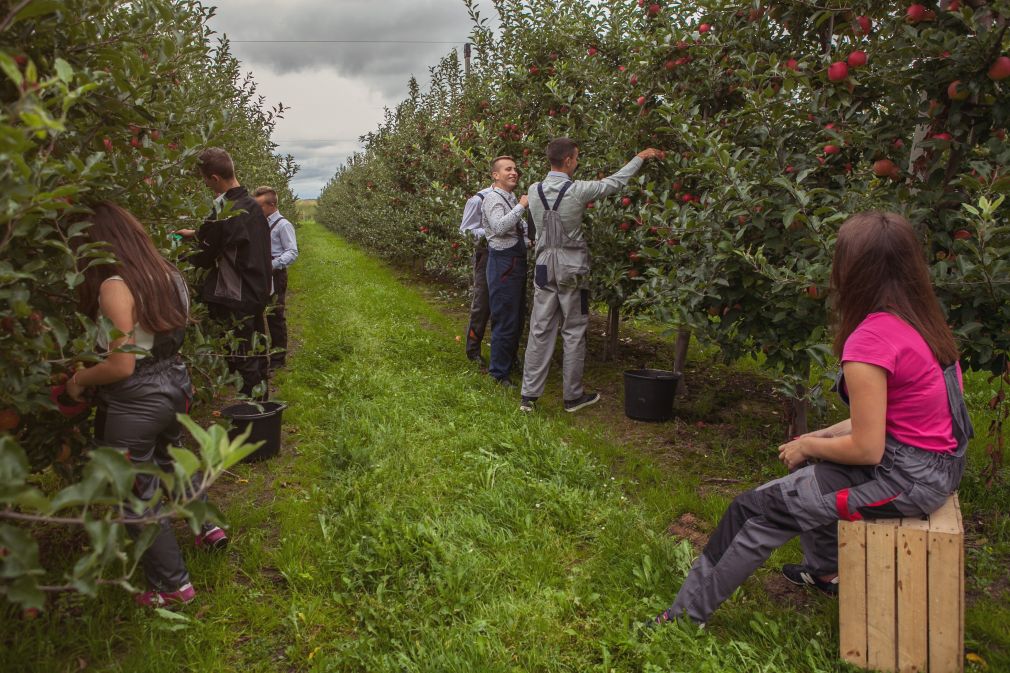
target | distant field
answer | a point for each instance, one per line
(306, 208)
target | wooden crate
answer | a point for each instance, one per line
(901, 592)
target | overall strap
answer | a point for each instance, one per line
(561, 195)
(961, 426)
(543, 198)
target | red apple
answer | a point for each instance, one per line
(962, 234)
(917, 13)
(591, 205)
(793, 64)
(838, 71)
(534, 70)
(957, 92)
(9, 419)
(885, 168)
(953, 6)
(865, 25)
(856, 59)
(1000, 69)
(592, 51)
(704, 28)
(626, 201)
(812, 291)
(654, 9)
(455, 246)
(640, 101)
(789, 169)
(624, 226)
(898, 143)
(107, 142)
(633, 256)
(831, 149)
(670, 65)
(632, 273)
(942, 136)
(633, 79)
(135, 143)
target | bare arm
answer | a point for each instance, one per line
(864, 442)
(117, 305)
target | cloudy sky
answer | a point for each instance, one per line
(336, 64)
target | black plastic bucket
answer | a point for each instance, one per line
(265, 419)
(648, 394)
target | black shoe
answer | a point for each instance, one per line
(584, 401)
(528, 405)
(799, 574)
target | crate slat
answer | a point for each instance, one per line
(852, 592)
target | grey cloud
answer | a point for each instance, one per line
(385, 67)
(318, 162)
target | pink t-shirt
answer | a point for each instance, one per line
(918, 413)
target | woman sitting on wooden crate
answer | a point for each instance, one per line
(901, 452)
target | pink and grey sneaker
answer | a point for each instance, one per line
(159, 599)
(212, 539)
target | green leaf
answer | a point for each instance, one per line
(37, 8)
(10, 68)
(64, 70)
(186, 459)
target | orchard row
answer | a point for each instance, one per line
(779, 118)
(100, 100)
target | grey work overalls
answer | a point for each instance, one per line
(907, 482)
(560, 296)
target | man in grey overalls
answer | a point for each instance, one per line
(561, 276)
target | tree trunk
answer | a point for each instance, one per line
(798, 413)
(680, 357)
(613, 331)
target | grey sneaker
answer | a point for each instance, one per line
(528, 404)
(584, 401)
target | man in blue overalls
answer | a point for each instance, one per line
(503, 223)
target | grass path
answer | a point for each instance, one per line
(416, 521)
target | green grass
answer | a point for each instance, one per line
(416, 521)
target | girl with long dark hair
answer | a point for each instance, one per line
(145, 298)
(901, 451)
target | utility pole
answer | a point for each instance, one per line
(466, 60)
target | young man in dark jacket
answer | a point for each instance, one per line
(234, 243)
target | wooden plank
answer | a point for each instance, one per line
(947, 519)
(881, 587)
(946, 589)
(913, 613)
(852, 592)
